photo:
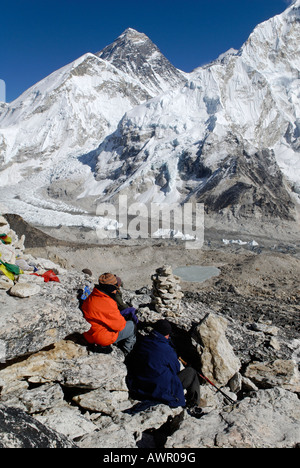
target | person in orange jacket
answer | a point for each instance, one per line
(101, 310)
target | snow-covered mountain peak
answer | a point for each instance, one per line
(128, 39)
(294, 4)
(230, 51)
(125, 120)
(294, 11)
(132, 35)
(137, 56)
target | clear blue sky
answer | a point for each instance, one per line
(39, 36)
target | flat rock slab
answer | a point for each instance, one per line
(24, 290)
(267, 419)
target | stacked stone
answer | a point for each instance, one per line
(166, 292)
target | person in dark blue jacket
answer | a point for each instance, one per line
(154, 370)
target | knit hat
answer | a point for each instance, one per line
(108, 278)
(86, 271)
(164, 327)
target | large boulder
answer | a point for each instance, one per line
(218, 359)
(30, 324)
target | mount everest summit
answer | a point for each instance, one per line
(126, 121)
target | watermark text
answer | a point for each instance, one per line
(153, 221)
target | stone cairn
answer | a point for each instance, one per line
(166, 292)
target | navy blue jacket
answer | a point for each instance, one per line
(152, 371)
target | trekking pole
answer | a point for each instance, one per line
(231, 401)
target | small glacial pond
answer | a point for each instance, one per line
(196, 274)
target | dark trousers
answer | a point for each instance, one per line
(190, 381)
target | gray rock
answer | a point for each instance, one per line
(218, 359)
(127, 429)
(267, 419)
(5, 283)
(28, 278)
(24, 290)
(42, 398)
(39, 368)
(19, 430)
(67, 421)
(281, 373)
(110, 437)
(264, 328)
(103, 401)
(96, 371)
(29, 325)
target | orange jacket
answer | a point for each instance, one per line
(102, 312)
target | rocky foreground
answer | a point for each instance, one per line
(56, 392)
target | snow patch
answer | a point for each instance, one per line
(252, 243)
